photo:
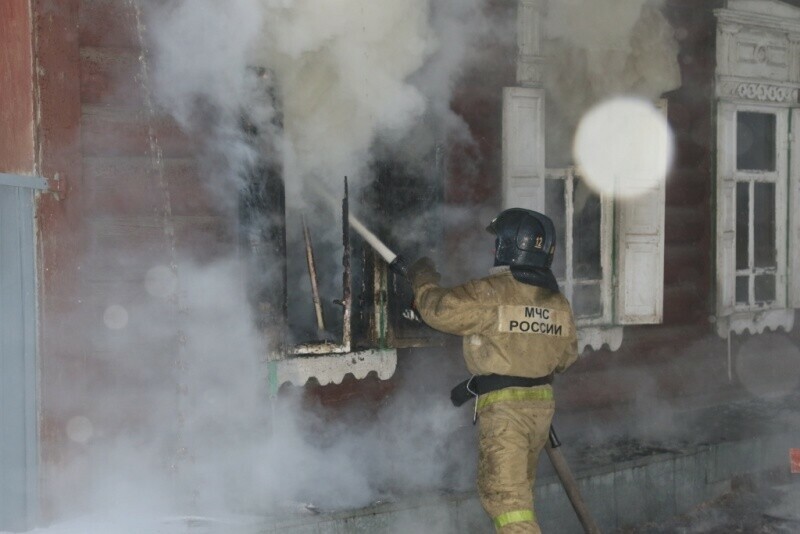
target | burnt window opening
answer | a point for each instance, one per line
(275, 234)
(305, 264)
(404, 202)
(262, 240)
(284, 244)
(314, 259)
(261, 220)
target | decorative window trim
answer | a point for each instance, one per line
(595, 337)
(758, 92)
(758, 47)
(755, 322)
(331, 368)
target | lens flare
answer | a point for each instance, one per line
(80, 429)
(623, 147)
(768, 365)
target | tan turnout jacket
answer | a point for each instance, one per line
(509, 328)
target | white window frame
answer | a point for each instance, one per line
(779, 178)
(757, 58)
(751, 316)
(632, 239)
(568, 283)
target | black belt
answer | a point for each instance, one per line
(482, 384)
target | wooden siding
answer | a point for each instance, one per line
(114, 220)
(16, 88)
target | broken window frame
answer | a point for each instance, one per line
(346, 344)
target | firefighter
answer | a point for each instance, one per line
(517, 331)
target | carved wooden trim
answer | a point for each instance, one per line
(766, 93)
(756, 322)
(595, 337)
(530, 63)
(759, 92)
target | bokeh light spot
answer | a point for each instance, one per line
(80, 429)
(768, 365)
(115, 317)
(623, 147)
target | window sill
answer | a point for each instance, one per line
(755, 322)
(595, 337)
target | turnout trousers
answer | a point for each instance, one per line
(514, 424)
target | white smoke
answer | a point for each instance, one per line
(628, 45)
(201, 53)
(344, 74)
(193, 431)
(343, 70)
(602, 49)
(202, 76)
(184, 423)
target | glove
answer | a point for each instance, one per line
(423, 271)
(399, 266)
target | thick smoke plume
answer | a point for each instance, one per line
(341, 75)
(189, 428)
(215, 445)
(326, 89)
(342, 69)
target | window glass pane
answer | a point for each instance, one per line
(742, 224)
(755, 141)
(764, 225)
(586, 233)
(742, 290)
(587, 301)
(764, 287)
(556, 210)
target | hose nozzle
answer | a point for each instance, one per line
(399, 266)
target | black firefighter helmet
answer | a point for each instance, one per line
(525, 238)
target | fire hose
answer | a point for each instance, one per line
(570, 484)
(398, 264)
